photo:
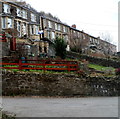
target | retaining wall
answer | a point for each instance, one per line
(23, 83)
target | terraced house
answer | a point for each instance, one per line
(34, 33)
(53, 28)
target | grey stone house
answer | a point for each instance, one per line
(37, 31)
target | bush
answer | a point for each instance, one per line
(117, 71)
(81, 73)
(60, 47)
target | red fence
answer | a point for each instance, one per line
(45, 65)
(2, 37)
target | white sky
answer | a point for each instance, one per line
(92, 16)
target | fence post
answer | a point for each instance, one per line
(44, 66)
(77, 66)
(20, 64)
(68, 64)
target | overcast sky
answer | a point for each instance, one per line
(93, 16)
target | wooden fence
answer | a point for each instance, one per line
(45, 65)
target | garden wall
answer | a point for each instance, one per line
(23, 83)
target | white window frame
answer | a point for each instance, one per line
(4, 23)
(10, 23)
(49, 24)
(64, 29)
(19, 27)
(32, 29)
(24, 28)
(36, 30)
(19, 14)
(59, 27)
(6, 8)
(33, 17)
(24, 14)
(53, 35)
(56, 26)
(49, 34)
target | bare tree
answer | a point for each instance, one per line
(107, 46)
(106, 37)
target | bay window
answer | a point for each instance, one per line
(24, 28)
(19, 27)
(53, 35)
(3, 22)
(10, 25)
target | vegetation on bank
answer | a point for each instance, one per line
(101, 68)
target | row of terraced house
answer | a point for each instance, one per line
(35, 33)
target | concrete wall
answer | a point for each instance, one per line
(21, 83)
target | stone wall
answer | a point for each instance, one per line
(40, 84)
(95, 60)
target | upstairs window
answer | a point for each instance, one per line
(33, 17)
(64, 29)
(44, 22)
(19, 12)
(24, 14)
(55, 26)
(6, 8)
(49, 24)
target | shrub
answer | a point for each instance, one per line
(60, 47)
(117, 71)
(81, 73)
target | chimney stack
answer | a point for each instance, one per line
(74, 26)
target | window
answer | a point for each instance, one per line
(19, 27)
(53, 35)
(90, 39)
(18, 12)
(59, 27)
(24, 14)
(49, 24)
(84, 36)
(44, 21)
(36, 29)
(24, 29)
(64, 29)
(3, 22)
(32, 29)
(55, 26)
(6, 8)
(66, 38)
(33, 17)
(10, 23)
(49, 35)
